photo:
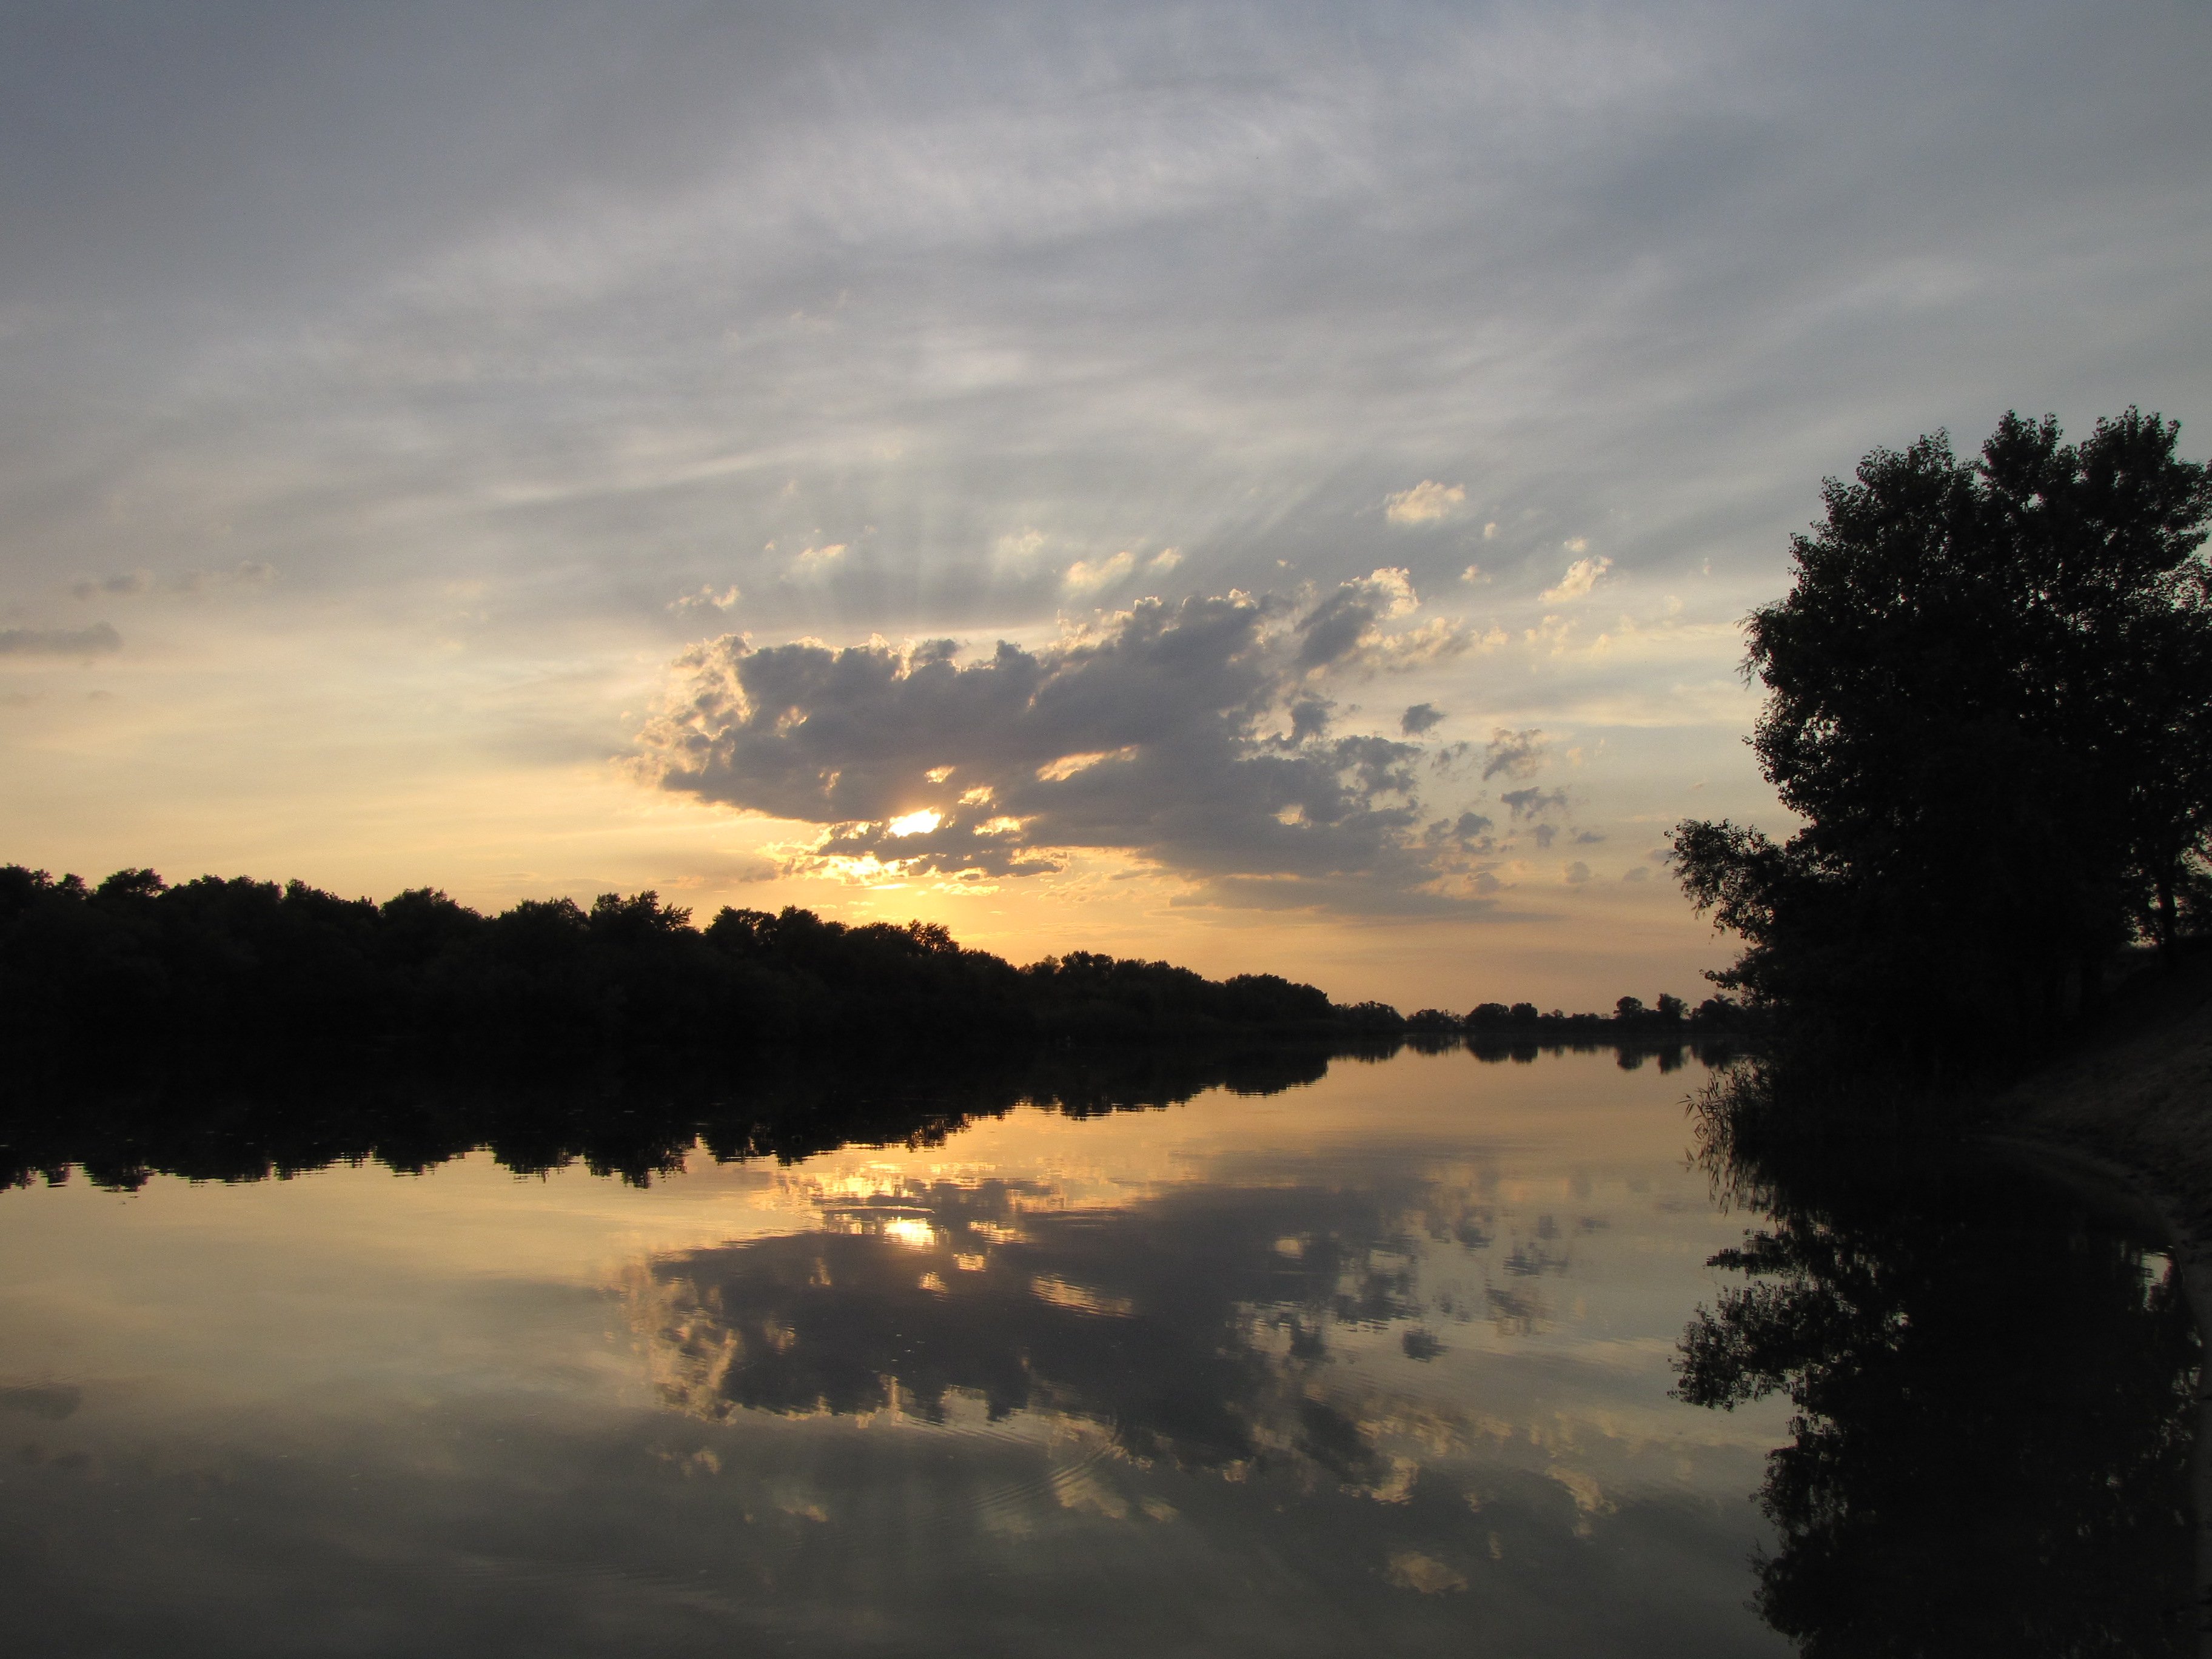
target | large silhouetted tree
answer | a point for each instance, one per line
(1987, 696)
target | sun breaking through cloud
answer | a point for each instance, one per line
(1199, 736)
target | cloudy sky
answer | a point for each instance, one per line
(1270, 486)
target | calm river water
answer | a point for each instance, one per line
(1382, 1365)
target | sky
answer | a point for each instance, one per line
(1275, 488)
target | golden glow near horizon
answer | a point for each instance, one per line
(476, 526)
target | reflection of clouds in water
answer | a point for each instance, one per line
(1290, 1328)
(1083, 1382)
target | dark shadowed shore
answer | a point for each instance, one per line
(2131, 1108)
(2136, 1094)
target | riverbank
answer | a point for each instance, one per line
(2137, 1095)
(2132, 1108)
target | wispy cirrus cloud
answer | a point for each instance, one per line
(96, 641)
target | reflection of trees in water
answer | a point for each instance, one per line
(1084, 1314)
(784, 1107)
(1996, 1404)
(290, 1118)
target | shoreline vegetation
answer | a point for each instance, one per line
(1987, 696)
(231, 1028)
(1989, 707)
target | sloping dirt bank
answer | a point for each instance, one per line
(2137, 1096)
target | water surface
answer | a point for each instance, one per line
(1383, 1363)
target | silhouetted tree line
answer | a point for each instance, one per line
(1668, 1019)
(1989, 697)
(231, 1030)
(1996, 1380)
(134, 974)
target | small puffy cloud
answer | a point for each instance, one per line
(706, 600)
(1526, 805)
(1179, 733)
(1582, 576)
(95, 640)
(818, 561)
(1637, 872)
(1421, 717)
(1084, 577)
(1517, 755)
(1427, 502)
(1474, 575)
(1575, 873)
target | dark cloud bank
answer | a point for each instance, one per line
(1199, 736)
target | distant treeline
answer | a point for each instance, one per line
(1668, 1020)
(134, 971)
(233, 1028)
(102, 983)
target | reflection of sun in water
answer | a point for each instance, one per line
(916, 824)
(912, 1231)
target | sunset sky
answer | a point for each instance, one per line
(1271, 487)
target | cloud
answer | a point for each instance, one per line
(1575, 873)
(1179, 733)
(1427, 502)
(1532, 803)
(1084, 577)
(1516, 754)
(1347, 626)
(706, 600)
(1582, 576)
(127, 584)
(246, 572)
(124, 584)
(92, 641)
(1421, 717)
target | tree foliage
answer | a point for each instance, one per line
(1987, 698)
(132, 975)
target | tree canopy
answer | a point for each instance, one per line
(1987, 698)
